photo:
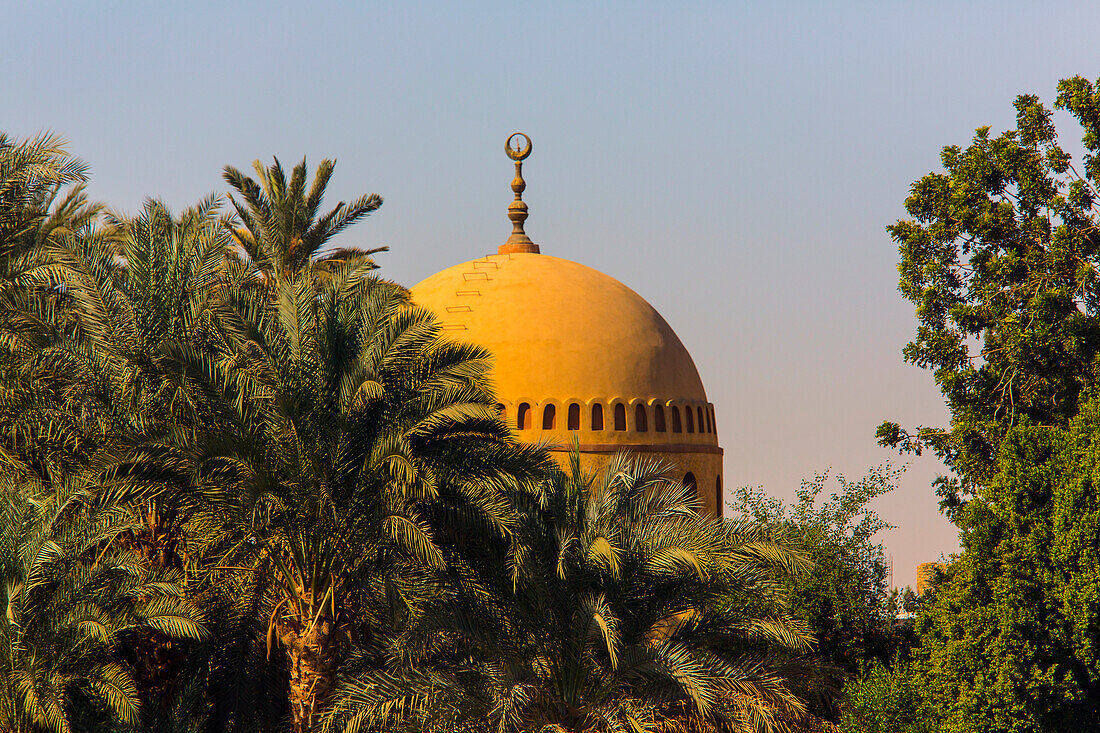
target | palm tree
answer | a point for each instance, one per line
(97, 323)
(74, 601)
(33, 175)
(362, 454)
(283, 232)
(41, 196)
(633, 613)
(109, 317)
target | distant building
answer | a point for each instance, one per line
(579, 356)
(926, 573)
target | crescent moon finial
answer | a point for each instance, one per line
(518, 147)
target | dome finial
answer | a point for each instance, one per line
(518, 147)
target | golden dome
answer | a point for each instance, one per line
(562, 333)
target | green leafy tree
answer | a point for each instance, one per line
(112, 316)
(41, 196)
(883, 699)
(630, 612)
(118, 304)
(844, 597)
(1008, 643)
(1001, 259)
(41, 193)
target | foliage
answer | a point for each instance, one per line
(73, 600)
(904, 601)
(630, 612)
(844, 598)
(1001, 260)
(41, 196)
(125, 309)
(1009, 640)
(33, 175)
(883, 699)
(118, 300)
(354, 447)
(283, 233)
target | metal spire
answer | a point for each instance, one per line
(518, 147)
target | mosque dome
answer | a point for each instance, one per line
(561, 330)
(578, 356)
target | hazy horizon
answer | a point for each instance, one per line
(734, 164)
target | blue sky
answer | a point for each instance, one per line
(735, 163)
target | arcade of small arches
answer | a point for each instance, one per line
(684, 428)
(635, 416)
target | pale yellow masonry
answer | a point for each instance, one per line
(580, 356)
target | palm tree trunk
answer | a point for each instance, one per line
(155, 662)
(311, 659)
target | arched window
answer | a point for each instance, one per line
(641, 421)
(573, 418)
(719, 503)
(689, 417)
(702, 422)
(620, 417)
(689, 481)
(676, 427)
(597, 417)
(713, 420)
(710, 420)
(523, 416)
(549, 417)
(659, 419)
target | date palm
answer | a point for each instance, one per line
(363, 452)
(74, 601)
(103, 310)
(284, 232)
(116, 305)
(41, 196)
(107, 314)
(34, 174)
(633, 613)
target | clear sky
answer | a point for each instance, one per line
(734, 163)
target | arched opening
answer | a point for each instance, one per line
(713, 420)
(702, 422)
(523, 416)
(573, 417)
(597, 417)
(675, 412)
(659, 419)
(710, 420)
(500, 411)
(641, 420)
(620, 417)
(689, 481)
(719, 503)
(689, 417)
(549, 418)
